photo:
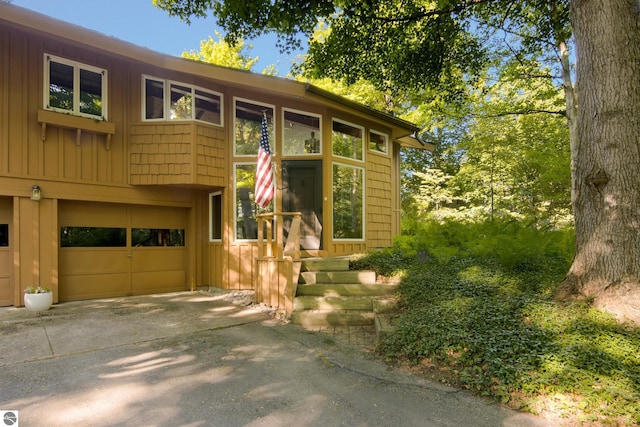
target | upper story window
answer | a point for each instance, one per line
(248, 125)
(301, 133)
(378, 142)
(169, 100)
(76, 88)
(347, 140)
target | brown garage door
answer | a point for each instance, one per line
(6, 253)
(109, 250)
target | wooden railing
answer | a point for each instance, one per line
(278, 263)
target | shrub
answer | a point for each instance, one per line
(482, 317)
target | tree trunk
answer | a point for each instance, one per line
(606, 178)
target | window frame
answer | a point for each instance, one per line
(363, 216)
(166, 100)
(220, 214)
(77, 67)
(362, 140)
(318, 131)
(386, 142)
(272, 133)
(235, 202)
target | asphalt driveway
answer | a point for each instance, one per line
(194, 359)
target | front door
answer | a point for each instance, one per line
(302, 192)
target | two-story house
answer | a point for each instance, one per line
(124, 171)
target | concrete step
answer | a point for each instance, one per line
(302, 303)
(384, 326)
(323, 318)
(325, 264)
(317, 277)
(346, 290)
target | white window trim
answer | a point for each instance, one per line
(235, 201)
(344, 122)
(166, 100)
(272, 140)
(386, 143)
(211, 196)
(306, 113)
(364, 204)
(76, 86)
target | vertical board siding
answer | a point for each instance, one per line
(4, 100)
(22, 149)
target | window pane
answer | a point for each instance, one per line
(377, 142)
(248, 122)
(208, 107)
(92, 237)
(215, 209)
(90, 93)
(348, 198)
(180, 103)
(154, 99)
(246, 226)
(4, 234)
(60, 86)
(347, 141)
(157, 237)
(301, 133)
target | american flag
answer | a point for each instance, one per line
(264, 175)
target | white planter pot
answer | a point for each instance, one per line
(38, 302)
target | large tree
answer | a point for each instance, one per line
(438, 45)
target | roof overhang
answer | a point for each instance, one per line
(414, 141)
(410, 140)
(38, 22)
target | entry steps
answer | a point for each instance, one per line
(329, 294)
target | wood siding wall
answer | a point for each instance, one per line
(57, 154)
(178, 153)
(378, 196)
(162, 164)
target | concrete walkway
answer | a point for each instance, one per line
(193, 359)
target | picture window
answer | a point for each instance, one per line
(301, 133)
(347, 140)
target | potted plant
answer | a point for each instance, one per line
(38, 298)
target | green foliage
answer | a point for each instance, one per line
(385, 262)
(479, 314)
(218, 51)
(516, 246)
(507, 156)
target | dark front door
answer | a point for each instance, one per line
(302, 192)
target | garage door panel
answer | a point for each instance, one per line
(84, 261)
(152, 217)
(5, 291)
(104, 265)
(89, 286)
(81, 214)
(158, 282)
(6, 258)
(158, 259)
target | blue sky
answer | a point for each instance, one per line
(140, 23)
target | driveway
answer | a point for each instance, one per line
(195, 359)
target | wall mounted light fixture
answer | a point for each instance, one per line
(36, 193)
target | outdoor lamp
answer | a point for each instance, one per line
(36, 193)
